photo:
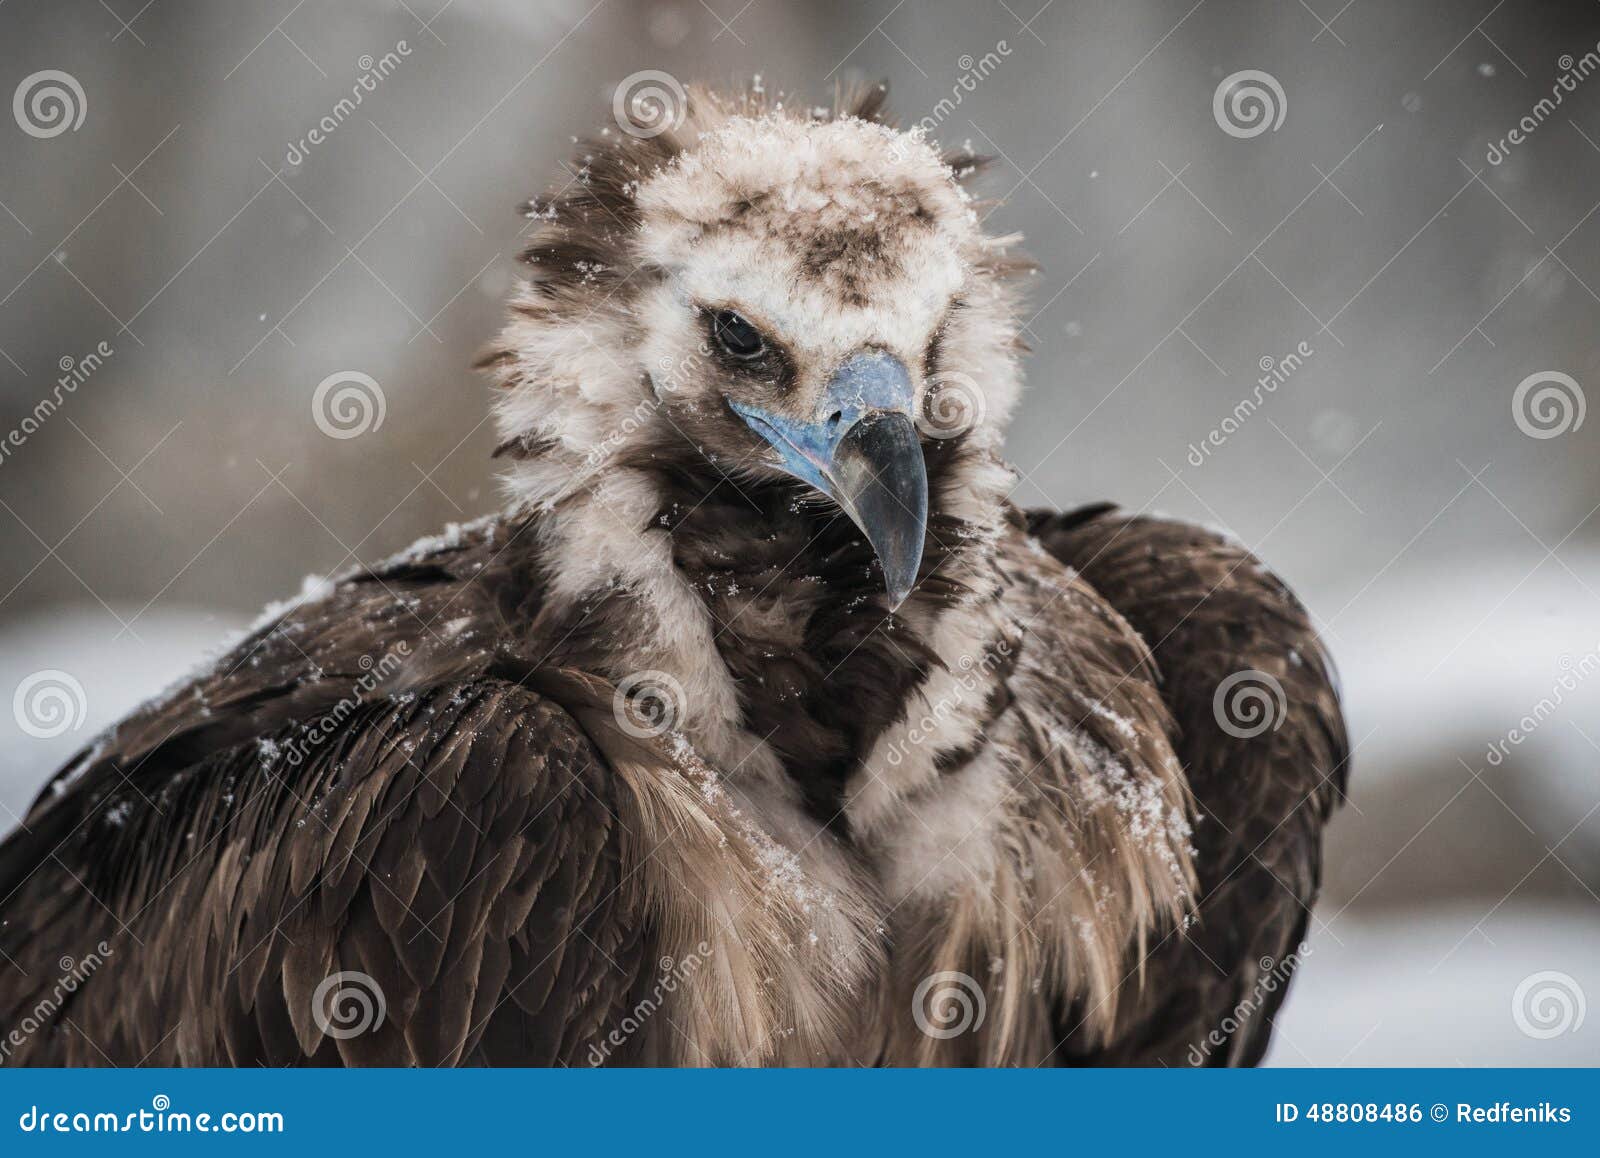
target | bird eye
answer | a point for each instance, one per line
(737, 336)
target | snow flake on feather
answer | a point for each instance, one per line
(1123, 726)
(1140, 802)
(1038, 549)
(785, 876)
(78, 767)
(452, 538)
(313, 589)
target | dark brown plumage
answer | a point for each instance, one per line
(429, 783)
(457, 837)
(1209, 609)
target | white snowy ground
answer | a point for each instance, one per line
(1445, 890)
(1405, 989)
(116, 674)
(1442, 894)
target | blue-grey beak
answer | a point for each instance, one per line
(861, 449)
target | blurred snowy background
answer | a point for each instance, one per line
(1440, 526)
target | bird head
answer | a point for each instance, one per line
(766, 293)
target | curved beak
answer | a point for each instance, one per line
(861, 450)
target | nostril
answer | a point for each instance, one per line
(835, 418)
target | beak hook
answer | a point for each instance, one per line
(861, 449)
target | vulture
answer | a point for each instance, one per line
(762, 727)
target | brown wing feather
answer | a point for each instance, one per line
(458, 846)
(1209, 609)
(356, 787)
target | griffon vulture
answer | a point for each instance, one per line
(761, 728)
